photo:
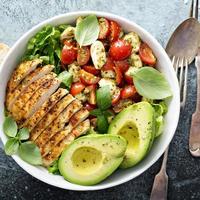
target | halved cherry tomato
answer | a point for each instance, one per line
(109, 65)
(89, 107)
(116, 97)
(120, 50)
(114, 31)
(119, 75)
(91, 69)
(104, 28)
(88, 78)
(123, 65)
(68, 54)
(77, 88)
(146, 54)
(128, 79)
(128, 92)
(83, 55)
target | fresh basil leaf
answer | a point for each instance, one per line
(23, 134)
(11, 146)
(151, 84)
(53, 169)
(103, 98)
(102, 124)
(87, 31)
(29, 152)
(107, 113)
(66, 78)
(96, 112)
(10, 127)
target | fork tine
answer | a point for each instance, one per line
(191, 9)
(185, 84)
(177, 65)
(181, 73)
(196, 9)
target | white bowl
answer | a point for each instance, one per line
(171, 118)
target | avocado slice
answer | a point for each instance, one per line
(90, 159)
(136, 124)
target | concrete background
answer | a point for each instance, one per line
(159, 17)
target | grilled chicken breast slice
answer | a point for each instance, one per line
(58, 124)
(23, 99)
(39, 97)
(21, 72)
(50, 116)
(76, 119)
(44, 109)
(38, 73)
(81, 129)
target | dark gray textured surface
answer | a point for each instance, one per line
(160, 18)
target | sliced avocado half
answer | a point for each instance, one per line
(90, 159)
(136, 124)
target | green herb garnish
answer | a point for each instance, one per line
(66, 78)
(87, 30)
(151, 84)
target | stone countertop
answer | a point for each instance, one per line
(159, 18)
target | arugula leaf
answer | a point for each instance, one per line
(23, 134)
(11, 146)
(87, 30)
(103, 97)
(151, 84)
(10, 127)
(102, 124)
(29, 152)
(66, 78)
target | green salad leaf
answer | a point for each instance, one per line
(10, 127)
(66, 78)
(103, 97)
(53, 169)
(87, 30)
(11, 146)
(102, 124)
(46, 45)
(23, 134)
(151, 84)
(29, 152)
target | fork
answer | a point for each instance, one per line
(180, 64)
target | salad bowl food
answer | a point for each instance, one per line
(90, 96)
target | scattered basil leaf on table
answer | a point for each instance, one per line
(10, 127)
(23, 134)
(29, 152)
(87, 31)
(151, 84)
(102, 124)
(103, 97)
(11, 146)
(66, 78)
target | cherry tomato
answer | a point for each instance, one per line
(104, 28)
(77, 88)
(146, 54)
(128, 79)
(116, 97)
(119, 75)
(91, 69)
(88, 78)
(128, 92)
(123, 65)
(89, 107)
(68, 54)
(114, 31)
(120, 50)
(109, 65)
(83, 55)
(137, 98)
